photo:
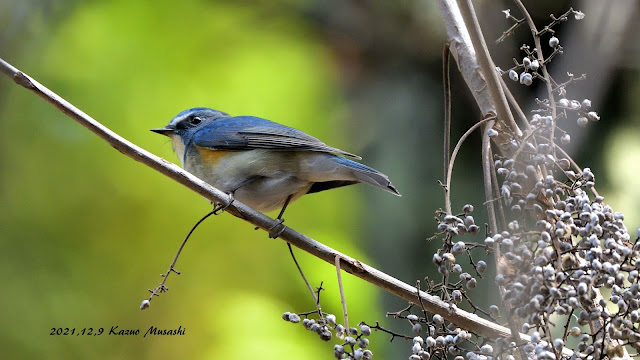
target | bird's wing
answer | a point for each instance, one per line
(246, 133)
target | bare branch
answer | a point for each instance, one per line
(471, 29)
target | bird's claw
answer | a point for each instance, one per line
(218, 208)
(273, 233)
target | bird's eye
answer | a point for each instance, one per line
(196, 120)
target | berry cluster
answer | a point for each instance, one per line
(355, 342)
(441, 338)
(556, 267)
(531, 63)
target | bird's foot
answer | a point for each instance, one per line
(218, 208)
(277, 229)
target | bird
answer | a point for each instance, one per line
(261, 163)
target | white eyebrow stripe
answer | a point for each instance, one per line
(177, 120)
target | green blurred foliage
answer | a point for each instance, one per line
(622, 154)
(85, 231)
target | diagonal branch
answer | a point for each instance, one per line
(392, 285)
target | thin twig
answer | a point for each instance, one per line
(424, 312)
(316, 299)
(162, 288)
(393, 334)
(545, 72)
(555, 21)
(510, 30)
(453, 159)
(446, 55)
(318, 292)
(572, 79)
(343, 299)
(566, 326)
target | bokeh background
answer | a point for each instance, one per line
(85, 231)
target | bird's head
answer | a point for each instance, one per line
(190, 121)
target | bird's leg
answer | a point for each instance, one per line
(274, 234)
(218, 207)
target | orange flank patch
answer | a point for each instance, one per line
(211, 156)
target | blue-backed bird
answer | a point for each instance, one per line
(262, 163)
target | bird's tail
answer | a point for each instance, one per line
(369, 175)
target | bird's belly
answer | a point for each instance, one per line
(261, 179)
(267, 194)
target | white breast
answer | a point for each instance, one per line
(178, 147)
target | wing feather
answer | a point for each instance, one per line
(246, 133)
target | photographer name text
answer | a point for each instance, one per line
(117, 331)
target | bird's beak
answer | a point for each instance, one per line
(163, 131)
